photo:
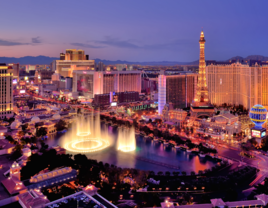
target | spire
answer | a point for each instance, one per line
(202, 91)
(202, 37)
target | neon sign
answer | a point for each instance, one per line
(256, 133)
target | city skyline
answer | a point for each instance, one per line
(134, 31)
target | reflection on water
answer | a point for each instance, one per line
(148, 155)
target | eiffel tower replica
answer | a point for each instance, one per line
(201, 107)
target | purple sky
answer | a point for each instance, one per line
(140, 30)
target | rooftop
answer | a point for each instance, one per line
(35, 110)
(32, 199)
(13, 185)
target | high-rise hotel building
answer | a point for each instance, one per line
(238, 84)
(176, 89)
(6, 91)
(89, 83)
(72, 60)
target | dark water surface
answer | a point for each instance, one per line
(148, 155)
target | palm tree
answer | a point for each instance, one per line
(167, 173)
(160, 173)
(152, 173)
(18, 147)
(175, 173)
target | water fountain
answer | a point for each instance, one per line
(86, 136)
(126, 141)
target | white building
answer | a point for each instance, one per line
(161, 93)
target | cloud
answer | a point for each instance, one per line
(115, 42)
(85, 45)
(118, 43)
(11, 43)
(36, 40)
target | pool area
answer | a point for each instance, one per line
(149, 155)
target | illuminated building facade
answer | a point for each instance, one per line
(118, 97)
(72, 60)
(201, 105)
(176, 89)
(161, 93)
(177, 116)
(221, 126)
(237, 84)
(90, 83)
(16, 70)
(73, 54)
(6, 91)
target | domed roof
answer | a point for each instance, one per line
(15, 124)
(56, 116)
(220, 119)
(35, 119)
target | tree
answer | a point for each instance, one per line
(175, 173)
(10, 139)
(114, 120)
(264, 143)
(61, 125)
(21, 133)
(167, 173)
(16, 152)
(160, 173)
(18, 147)
(183, 173)
(24, 126)
(40, 132)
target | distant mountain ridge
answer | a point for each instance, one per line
(47, 60)
(248, 58)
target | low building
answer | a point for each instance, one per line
(35, 112)
(13, 184)
(52, 178)
(6, 147)
(176, 116)
(261, 201)
(222, 126)
(32, 199)
(50, 127)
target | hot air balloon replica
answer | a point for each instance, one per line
(258, 115)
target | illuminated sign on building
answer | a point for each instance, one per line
(113, 104)
(263, 134)
(143, 107)
(256, 133)
(22, 91)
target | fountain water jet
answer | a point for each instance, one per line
(86, 136)
(126, 139)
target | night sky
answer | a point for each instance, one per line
(134, 30)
